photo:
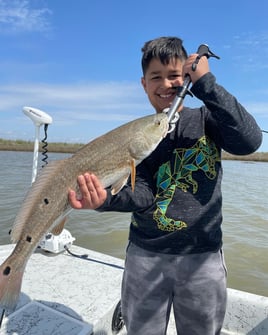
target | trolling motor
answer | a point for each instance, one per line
(49, 242)
(39, 118)
(182, 91)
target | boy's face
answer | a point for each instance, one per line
(159, 81)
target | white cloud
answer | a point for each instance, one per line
(17, 16)
(80, 111)
(100, 106)
(90, 101)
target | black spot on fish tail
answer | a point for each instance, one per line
(46, 201)
(6, 271)
(10, 232)
(28, 239)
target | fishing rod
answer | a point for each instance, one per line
(182, 91)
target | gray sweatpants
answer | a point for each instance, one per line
(194, 284)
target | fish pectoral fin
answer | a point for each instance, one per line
(119, 184)
(133, 174)
(59, 227)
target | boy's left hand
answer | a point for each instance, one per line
(92, 193)
(201, 69)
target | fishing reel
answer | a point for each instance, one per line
(203, 50)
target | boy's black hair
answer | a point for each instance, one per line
(164, 49)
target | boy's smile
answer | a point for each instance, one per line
(160, 81)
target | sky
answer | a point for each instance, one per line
(79, 60)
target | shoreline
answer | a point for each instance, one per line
(19, 145)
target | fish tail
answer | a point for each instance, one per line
(10, 284)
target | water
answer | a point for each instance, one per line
(245, 210)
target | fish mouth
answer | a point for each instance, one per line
(165, 131)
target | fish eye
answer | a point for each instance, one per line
(6, 271)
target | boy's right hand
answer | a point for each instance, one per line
(201, 69)
(92, 193)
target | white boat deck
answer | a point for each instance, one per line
(66, 295)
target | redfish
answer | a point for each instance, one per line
(112, 157)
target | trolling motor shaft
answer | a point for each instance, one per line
(182, 91)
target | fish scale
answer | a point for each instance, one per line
(112, 157)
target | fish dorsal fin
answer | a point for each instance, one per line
(34, 191)
(59, 227)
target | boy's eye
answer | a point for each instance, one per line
(174, 76)
(169, 77)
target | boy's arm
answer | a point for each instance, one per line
(233, 128)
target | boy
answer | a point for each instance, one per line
(174, 257)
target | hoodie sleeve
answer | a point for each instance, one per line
(229, 124)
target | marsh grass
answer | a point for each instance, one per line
(62, 147)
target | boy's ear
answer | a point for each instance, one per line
(143, 84)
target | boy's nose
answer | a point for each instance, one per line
(166, 83)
